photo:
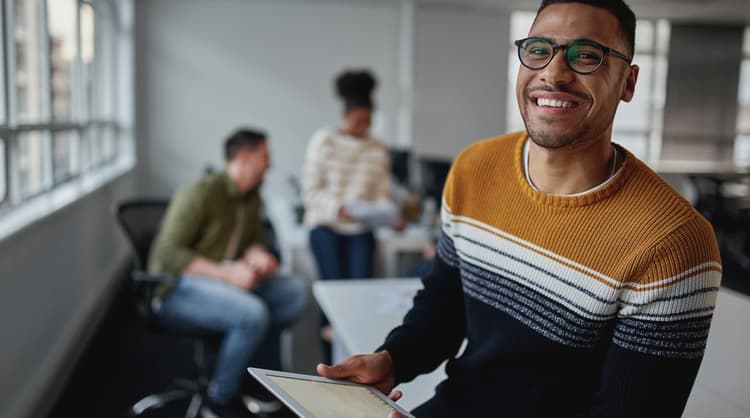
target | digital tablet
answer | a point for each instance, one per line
(318, 397)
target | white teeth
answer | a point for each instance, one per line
(553, 103)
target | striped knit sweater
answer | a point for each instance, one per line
(593, 305)
(338, 170)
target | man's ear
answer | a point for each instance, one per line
(628, 89)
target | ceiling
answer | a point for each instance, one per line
(703, 11)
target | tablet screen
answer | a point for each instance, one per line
(324, 399)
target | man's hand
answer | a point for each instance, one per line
(261, 261)
(369, 369)
(241, 275)
(394, 396)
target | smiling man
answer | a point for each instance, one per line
(582, 283)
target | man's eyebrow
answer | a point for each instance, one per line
(554, 41)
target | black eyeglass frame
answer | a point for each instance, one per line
(555, 47)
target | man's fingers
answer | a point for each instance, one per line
(396, 395)
(396, 414)
(337, 371)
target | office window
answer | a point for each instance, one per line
(3, 178)
(66, 156)
(742, 141)
(638, 124)
(2, 92)
(91, 155)
(31, 167)
(29, 61)
(109, 142)
(88, 43)
(60, 70)
(63, 51)
(104, 97)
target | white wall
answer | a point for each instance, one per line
(56, 278)
(460, 66)
(205, 67)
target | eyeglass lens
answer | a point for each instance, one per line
(583, 57)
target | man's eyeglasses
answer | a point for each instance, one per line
(583, 57)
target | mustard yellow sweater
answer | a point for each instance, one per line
(593, 305)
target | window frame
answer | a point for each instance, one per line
(76, 180)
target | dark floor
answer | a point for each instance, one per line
(124, 362)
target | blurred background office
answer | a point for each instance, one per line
(109, 99)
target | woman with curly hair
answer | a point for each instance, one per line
(345, 188)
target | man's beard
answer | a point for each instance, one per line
(546, 138)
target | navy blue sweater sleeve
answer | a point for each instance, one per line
(636, 384)
(432, 331)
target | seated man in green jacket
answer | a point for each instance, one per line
(212, 238)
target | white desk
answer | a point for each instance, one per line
(362, 312)
(392, 244)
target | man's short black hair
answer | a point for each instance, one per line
(618, 8)
(241, 139)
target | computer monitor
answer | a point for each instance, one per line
(400, 160)
(433, 173)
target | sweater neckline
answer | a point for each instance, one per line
(594, 195)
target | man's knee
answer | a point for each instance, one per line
(296, 297)
(254, 315)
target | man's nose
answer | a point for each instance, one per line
(557, 71)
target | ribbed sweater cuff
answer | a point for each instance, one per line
(401, 361)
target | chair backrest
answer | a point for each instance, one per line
(140, 220)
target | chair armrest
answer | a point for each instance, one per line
(144, 277)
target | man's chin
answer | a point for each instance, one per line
(552, 138)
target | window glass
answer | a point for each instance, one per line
(109, 143)
(29, 61)
(742, 140)
(63, 51)
(743, 93)
(2, 77)
(90, 148)
(66, 156)
(30, 164)
(742, 150)
(3, 179)
(87, 58)
(104, 108)
(644, 37)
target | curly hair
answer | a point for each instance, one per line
(355, 88)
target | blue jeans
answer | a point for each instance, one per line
(341, 256)
(250, 321)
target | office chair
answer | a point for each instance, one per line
(140, 219)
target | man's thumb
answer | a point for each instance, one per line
(335, 372)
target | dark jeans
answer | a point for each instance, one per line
(341, 256)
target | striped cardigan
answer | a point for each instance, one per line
(339, 170)
(592, 305)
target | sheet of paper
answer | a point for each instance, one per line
(374, 214)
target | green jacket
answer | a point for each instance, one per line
(199, 222)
